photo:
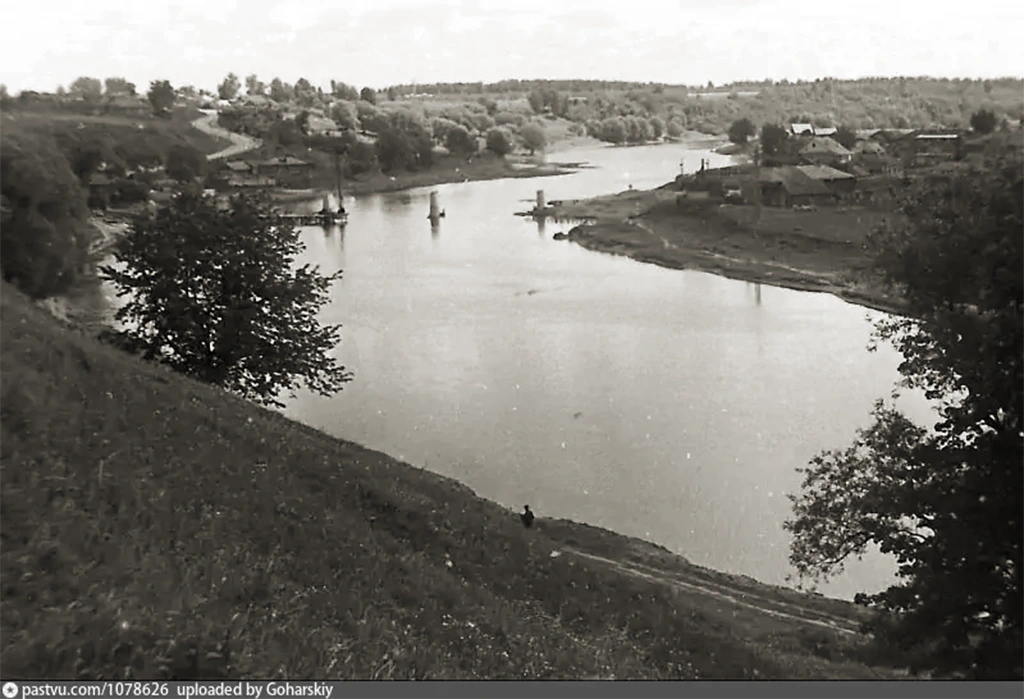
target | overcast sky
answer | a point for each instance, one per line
(383, 42)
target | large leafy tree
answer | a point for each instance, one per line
(118, 86)
(161, 96)
(773, 137)
(228, 89)
(215, 294)
(741, 130)
(946, 501)
(534, 137)
(89, 89)
(984, 121)
(43, 239)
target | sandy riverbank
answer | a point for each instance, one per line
(822, 251)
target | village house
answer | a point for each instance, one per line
(789, 187)
(871, 158)
(801, 129)
(838, 182)
(822, 150)
(100, 189)
(930, 148)
(242, 173)
(287, 171)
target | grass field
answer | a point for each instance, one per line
(118, 129)
(156, 527)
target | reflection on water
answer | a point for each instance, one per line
(670, 405)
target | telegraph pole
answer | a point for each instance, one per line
(757, 182)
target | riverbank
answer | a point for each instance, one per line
(821, 251)
(446, 171)
(244, 544)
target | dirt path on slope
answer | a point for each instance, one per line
(240, 143)
(778, 609)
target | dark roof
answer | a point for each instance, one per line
(824, 144)
(823, 172)
(285, 160)
(793, 180)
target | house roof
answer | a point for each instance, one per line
(864, 134)
(285, 160)
(793, 180)
(238, 165)
(823, 144)
(893, 134)
(823, 173)
(937, 136)
(797, 129)
(824, 130)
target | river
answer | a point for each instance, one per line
(670, 405)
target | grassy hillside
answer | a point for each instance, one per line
(154, 526)
(131, 136)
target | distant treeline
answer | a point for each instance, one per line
(514, 86)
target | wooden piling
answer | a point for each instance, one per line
(435, 210)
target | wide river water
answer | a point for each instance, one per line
(671, 405)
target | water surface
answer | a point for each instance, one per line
(675, 406)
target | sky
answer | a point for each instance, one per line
(378, 43)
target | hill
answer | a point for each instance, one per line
(153, 526)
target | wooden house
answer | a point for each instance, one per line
(287, 171)
(822, 150)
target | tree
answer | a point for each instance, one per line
(846, 137)
(216, 295)
(402, 141)
(741, 130)
(946, 502)
(89, 89)
(118, 86)
(673, 129)
(253, 85)
(345, 115)
(228, 89)
(983, 121)
(772, 138)
(536, 100)
(534, 137)
(499, 141)
(279, 91)
(161, 96)
(344, 91)
(44, 240)
(184, 163)
(458, 141)
(657, 127)
(368, 95)
(305, 93)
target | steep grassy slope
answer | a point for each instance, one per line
(153, 526)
